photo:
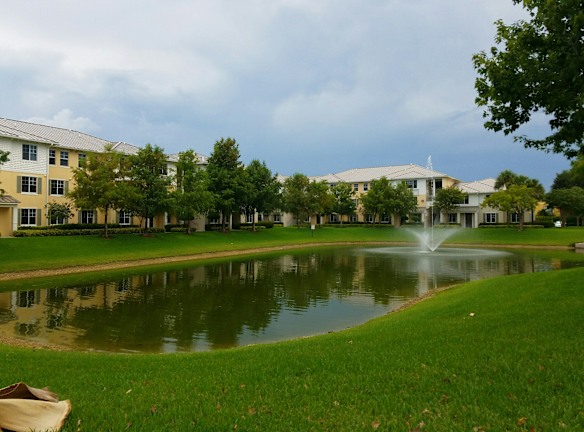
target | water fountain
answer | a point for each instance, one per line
(429, 239)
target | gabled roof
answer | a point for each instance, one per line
(64, 138)
(8, 200)
(397, 172)
(484, 186)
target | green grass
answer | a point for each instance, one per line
(516, 365)
(18, 254)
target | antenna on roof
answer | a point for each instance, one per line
(429, 163)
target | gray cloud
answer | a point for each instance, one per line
(306, 86)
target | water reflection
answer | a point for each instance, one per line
(243, 301)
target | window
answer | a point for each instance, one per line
(356, 202)
(87, 216)
(125, 217)
(28, 217)
(365, 187)
(277, 218)
(466, 200)
(82, 158)
(356, 187)
(354, 218)
(438, 184)
(385, 218)
(64, 158)
(412, 184)
(249, 218)
(370, 218)
(452, 218)
(490, 217)
(57, 220)
(52, 157)
(333, 218)
(58, 187)
(29, 152)
(28, 185)
(515, 218)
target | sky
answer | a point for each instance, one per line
(308, 86)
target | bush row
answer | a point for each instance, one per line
(52, 232)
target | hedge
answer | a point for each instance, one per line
(52, 232)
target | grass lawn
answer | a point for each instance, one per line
(517, 364)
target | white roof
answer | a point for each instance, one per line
(484, 186)
(397, 172)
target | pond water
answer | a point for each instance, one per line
(244, 301)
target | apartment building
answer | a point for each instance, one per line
(39, 172)
(424, 182)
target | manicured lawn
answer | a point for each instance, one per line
(17, 254)
(515, 365)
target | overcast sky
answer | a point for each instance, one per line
(310, 86)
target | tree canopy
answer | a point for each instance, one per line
(101, 183)
(226, 178)
(344, 199)
(537, 66)
(570, 202)
(448, 199)
(263, 189)
(384, 198)
(150, 182)
(516, 199)
(190, 197)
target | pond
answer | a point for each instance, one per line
(246, 300)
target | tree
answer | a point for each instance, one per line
(537, 69)
(58, 212)
(226, 178)
(572, 177)
(448, 199)
(515, 199)
(263, 190)
(3, 159)
(402, 202)
(320, 198)
(385, 198)
(191, 197)
(344, 202)
(101, 183)
(150, 183)
(570, 202)
(295, 197)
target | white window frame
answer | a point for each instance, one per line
(30, 188)
(30, 152)
(125, 217)
(57, 187)
(491, 218)
(31, 217)
(365, 187)
(249, 217)
(452, 217)
(87, 216)
(356, 187)
(277, 217)
(63, 158)
(52, 157)
(515, 218)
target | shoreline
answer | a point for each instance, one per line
(30, 274)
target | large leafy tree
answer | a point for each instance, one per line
(191, 196)
(150, 183)
(101, 183)
(3, 159)
(448, 199)
(344, 199)
(571, 177)
(263, 189)
(569, 201)
(295, 197)
(515, 199)
(537, 66)
(226, 178)
(320, 198)
(384, 197)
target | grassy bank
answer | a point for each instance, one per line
(21, 254)
(515, 365)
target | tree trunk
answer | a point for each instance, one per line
(106, 234)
